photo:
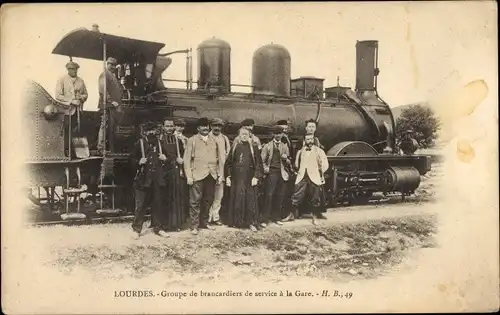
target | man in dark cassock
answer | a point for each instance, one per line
(149, 161)
(244, 171)
(175, 197)
(248, 124)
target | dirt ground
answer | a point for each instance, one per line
(350, 244)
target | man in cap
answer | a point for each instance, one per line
(225, 146)
(286, 131)
(311, 163)
(290, 184)
(180, 124)
(408, 145)
(70, 88)
(249, 123)
(71, 91)
(275, 158)
(204, 168)
(148, 158)
(114, 93)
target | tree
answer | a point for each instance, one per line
(422, 120)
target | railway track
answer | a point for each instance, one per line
(425, 193)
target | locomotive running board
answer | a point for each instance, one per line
(380, 157)
(109, 211)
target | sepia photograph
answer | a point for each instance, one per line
(291, 157)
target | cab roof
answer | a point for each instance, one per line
(88, 44)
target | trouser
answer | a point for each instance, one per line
(74, 124)
(287, 196)
(113, 116)
(149, 196)
(216, 205)
(273, 196)
(201, 197)
(306, 189)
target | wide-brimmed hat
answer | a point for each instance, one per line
(248, 122)
(203, 121)
(149, 126)
(276, 129)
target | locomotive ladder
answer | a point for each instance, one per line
(73, 192)
(107, 163)
(107, 170)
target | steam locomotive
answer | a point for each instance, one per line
(356, 126)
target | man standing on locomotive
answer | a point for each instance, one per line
(312, 163)
(225, 146)
(149, 182)
(113, 99)
(407, 145)
(71, 91)
(204, 168)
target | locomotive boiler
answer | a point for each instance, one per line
(355, 126)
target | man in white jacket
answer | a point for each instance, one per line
(312, 164)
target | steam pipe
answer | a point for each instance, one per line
(184, 51)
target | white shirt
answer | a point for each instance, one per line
(314, 162)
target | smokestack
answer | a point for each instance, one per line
(366, 65)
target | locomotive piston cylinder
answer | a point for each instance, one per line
(402, 178)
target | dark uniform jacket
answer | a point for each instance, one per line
(153, 172)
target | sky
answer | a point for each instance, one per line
(422, 46)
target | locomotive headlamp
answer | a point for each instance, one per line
(50, 112)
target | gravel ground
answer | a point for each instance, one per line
(354, 242)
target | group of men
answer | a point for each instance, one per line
(206, 178)
(212, 181)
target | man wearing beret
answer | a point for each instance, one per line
(204, 168)
(114, 93)
(225, 146)
(148, 158)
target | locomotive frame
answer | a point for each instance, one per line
(358, 168)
